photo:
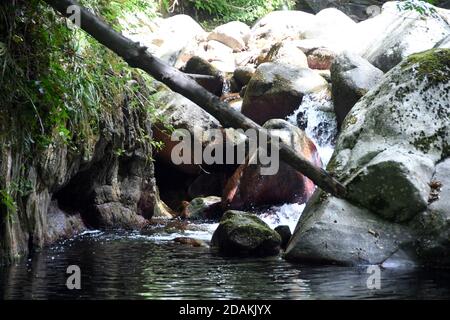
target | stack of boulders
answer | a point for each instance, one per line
(391, 105)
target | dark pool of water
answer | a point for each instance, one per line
(129, 266)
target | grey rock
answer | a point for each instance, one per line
(351, 77)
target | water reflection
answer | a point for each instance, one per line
(136, 267)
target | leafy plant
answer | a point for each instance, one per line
(422, 7)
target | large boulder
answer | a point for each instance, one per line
(234, 34)
(329, 24)
(387, 154)
(276, 90)
(169, 37)
(177, 112)
(280, 25)
(250, 188)
(351, 77)
(401, 30)
(241, 233)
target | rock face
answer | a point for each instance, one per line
(276, 90)
(249, 188)
(233, 34)
(389, 149)
(352, 77)
(95, 187)
(398, 32)
(241, 233)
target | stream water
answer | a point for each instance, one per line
(150, 265)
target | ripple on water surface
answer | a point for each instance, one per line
(151, 266)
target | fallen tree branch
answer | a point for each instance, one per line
(138, 57)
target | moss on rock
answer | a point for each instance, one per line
(241, 233)
(432, 64)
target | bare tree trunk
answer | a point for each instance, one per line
(138, 57)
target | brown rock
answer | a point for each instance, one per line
(248, 188)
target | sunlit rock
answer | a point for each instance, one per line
(234, 34)
(390, 147)
(352, 77)
(276, 90)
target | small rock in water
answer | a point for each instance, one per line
(240, 234)
(285, 234)
(190, 241)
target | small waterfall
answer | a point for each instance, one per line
(316, 117)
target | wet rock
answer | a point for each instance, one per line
(162, 210)
(234, 34)
(321, 59)
(244, 234)
(197, 65)
(203, 208)
(249, 188)
(276, 90)
(190, 242)
(285, 234)
(352, 77)
(61, 224)
(387, 157)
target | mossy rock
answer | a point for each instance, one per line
(244, 234)
(203, 208)
(433, 65)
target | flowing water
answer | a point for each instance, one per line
(150, 265)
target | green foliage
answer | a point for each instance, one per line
(420, 6)
(59, 85)
(247, 11)
(57, 80)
